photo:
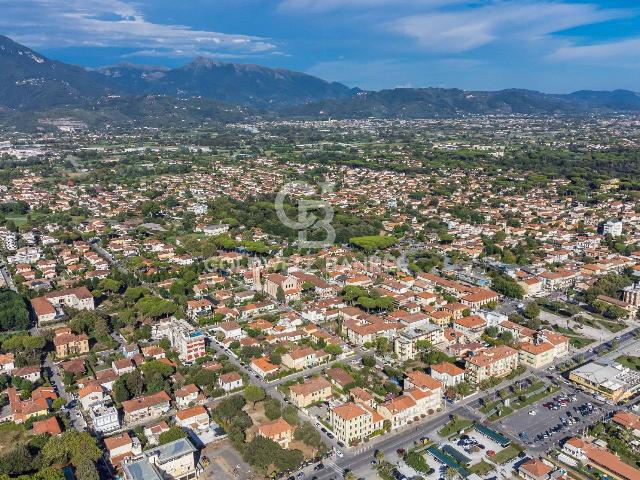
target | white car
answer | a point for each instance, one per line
(339, 453)
(532, 412)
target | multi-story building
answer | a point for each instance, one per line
(302, 358)
(613, 382)
(405, 344)
(50, 308)
(631, 295)
(353, 422)
(67, 343)
(187, 341)
(104, 417)
(277, 430)
(536, 354)
(316, 389)
(175, 460)
(471, 327)
(149, 406)
(612, 227)
(447, 373)
(492, 362)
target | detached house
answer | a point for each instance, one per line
(278, 430)
(149, 406)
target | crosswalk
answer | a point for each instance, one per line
(332, 465)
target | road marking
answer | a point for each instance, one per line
(334, 467)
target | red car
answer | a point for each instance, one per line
(490, 453)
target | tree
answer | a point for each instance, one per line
(308, 434)
(13, 312)
(532, 310)
(109, 285)
(155, 307)
(71, 447)
(58, 403)
(171, 435)
(280, 295)
(290, 414)
(87, 470)
(333, 349)
(272, 408)
(382, 345)
(368, 361)
(253, 393)
(451, 474)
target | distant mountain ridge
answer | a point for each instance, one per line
(30, 82)
(245, 84)
(434, 102)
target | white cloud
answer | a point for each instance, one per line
(316, 6)
(507, 21)
(622, 52)
(114, 23)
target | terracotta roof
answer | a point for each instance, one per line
(536, 468)
(423, 381)
(348, 411)
(50, 425)
(187, 390)
(145, 401)
(191, 412)
(310, 386)
(340, 376)
(275, 428)
(230, 377)
(117, 441)
(447, 368)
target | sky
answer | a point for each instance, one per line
(549, 45)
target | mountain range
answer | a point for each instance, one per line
(205, 90)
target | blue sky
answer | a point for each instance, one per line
(549, 45)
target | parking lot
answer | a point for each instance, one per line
(560, 421)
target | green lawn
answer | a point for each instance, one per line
(503, 456)
(455, 426)
(580, 342)
(630, 362)
(481, 468)
(18, 220)
(613, 327)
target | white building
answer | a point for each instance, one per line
(104, 417)
(612, 227)
(175, 460)
(186, 340)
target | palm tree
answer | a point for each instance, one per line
(451, 474)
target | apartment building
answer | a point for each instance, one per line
(353, 422)
(471, 327)
(67, 343)
(492, 362)
(104, 416)
(316, 389)
(302, 358)
(447, 373)
(50, 308)
(149, 406)
(175, 460)
(405, 343)
(186, 340)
